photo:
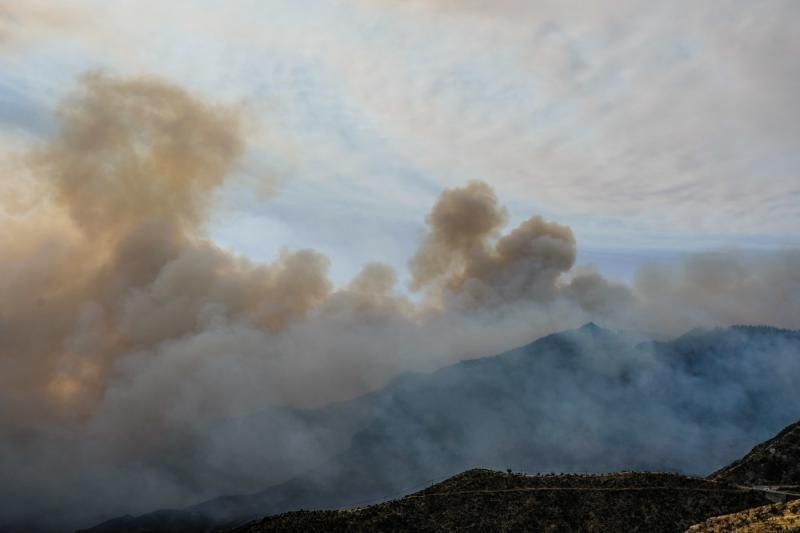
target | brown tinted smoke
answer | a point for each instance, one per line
(461, 256)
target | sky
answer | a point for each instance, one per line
(651, 129)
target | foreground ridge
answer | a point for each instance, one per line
(481, 500)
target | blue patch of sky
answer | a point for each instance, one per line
(21, 111)
(321, 207)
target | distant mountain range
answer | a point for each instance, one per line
(588, 400)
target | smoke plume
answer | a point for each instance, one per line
(129, 338)
(460, 258)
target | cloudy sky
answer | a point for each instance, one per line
(650, 128)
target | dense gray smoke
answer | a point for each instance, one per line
(127, 337)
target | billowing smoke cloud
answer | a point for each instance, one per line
(599, 296)
(138, 151)
(124, 266)
(460, 258)
(461, 221)
(133, 349)
(112, 265)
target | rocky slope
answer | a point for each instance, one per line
(780, 517)
(775, 462)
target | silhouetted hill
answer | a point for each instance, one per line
(586, 400)
(483, 500)
(775, 462)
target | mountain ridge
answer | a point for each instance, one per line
(482, 500)
(775, 462)
(516, 397)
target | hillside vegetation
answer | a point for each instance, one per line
(775, 462)
(485, 500)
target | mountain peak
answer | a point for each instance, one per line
(591, 327)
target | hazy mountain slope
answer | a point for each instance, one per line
(483, 500)
(775, 462)
(779, 517)
(588, 400)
